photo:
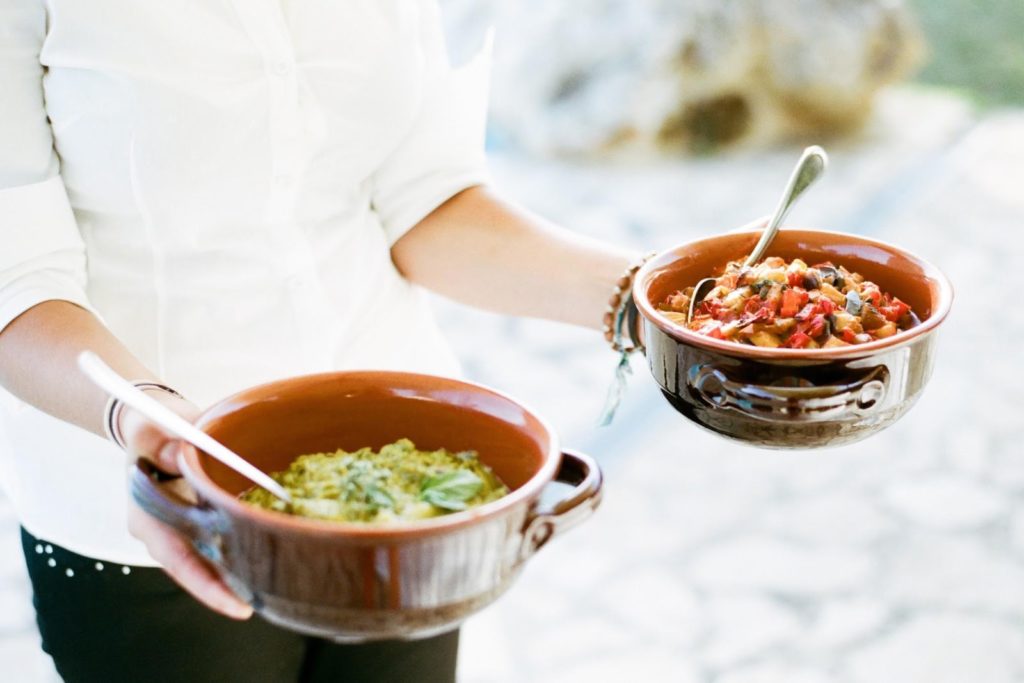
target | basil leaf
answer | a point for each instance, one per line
(853, 302)
(451, 490)
(379, 498)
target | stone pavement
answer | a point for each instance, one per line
(896, 560)
(899, 559)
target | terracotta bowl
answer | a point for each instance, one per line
(353, 582)
(792, 398)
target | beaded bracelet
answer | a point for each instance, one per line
(114, 408)
(622, 311)
(618, 309)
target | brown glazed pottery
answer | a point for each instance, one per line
(357, 582)
(792, 398)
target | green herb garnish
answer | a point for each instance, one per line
(398, 482)
(451, 490)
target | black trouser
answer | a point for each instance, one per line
(107, 623)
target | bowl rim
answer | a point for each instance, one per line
(663, 259)
(218, 498)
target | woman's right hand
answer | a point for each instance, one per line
(171, 549)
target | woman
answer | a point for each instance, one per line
(211, 195)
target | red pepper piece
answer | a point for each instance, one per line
(816, 327)
(712, 329)
(760, 315)
(894, 311)
(807, 311)
(848, 336)
(797, 340)
(710, 308)
(870, 292)
(792, 299)
(794, 278)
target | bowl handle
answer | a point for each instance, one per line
(792, 399)
(584, 475)
(201, 525)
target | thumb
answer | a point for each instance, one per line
(167, 457)
(143, 439)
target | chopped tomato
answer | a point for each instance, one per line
(797, 340)
(775, 301)
(792, 300)
(870, 292)
(848, 336)
(710, 307)
(712, 329)
(807, 311)
(816, 327)
(760, 315)
(896, 310)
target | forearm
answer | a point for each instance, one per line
(38, 362)
(482, 251)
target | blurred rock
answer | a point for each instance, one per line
(590, 76)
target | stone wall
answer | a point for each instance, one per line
(589, 76)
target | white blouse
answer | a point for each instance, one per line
(220, 182)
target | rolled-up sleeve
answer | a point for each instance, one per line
(42, 255)
(443, 153)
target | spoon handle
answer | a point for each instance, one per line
(811, 165)
(108, 380)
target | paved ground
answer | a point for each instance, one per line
(899, 559)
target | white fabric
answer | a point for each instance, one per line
(220, 182)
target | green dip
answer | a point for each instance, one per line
(398, 483)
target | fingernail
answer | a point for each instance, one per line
(241, 611)
(168, 458)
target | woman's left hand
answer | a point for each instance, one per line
(166, 545)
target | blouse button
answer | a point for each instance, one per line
(282, 68)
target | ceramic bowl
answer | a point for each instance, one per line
(792, 398)
(355, 582)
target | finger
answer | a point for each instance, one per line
(167, 457)
(183, 564)
(146, 440)
(187, 568)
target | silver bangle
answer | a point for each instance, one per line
(114, 408)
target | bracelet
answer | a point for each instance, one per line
(114, 408)
(622, 308)
(622, 311)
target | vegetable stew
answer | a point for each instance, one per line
(792, 305)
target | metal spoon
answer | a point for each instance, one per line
(108, 380)
(811, 165)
